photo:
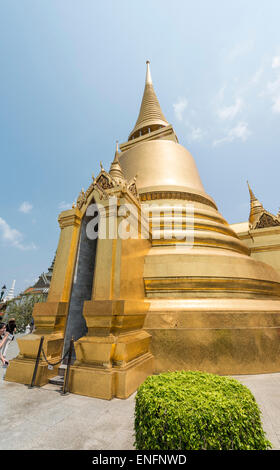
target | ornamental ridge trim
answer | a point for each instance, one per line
(107, 186)
(152, 195)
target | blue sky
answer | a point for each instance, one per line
(72, 78)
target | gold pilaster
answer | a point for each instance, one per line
(50, 316)
(114, 358)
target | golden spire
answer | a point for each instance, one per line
(148, 74)
(116, 169)
(150, 116)
(256, 207)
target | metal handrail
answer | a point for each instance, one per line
(66, 377)
(37, 362)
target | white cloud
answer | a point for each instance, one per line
(240, 49)
(273, 89)
(25, 207)
(240, 131)
(13, 237)
(221, 93)
(179, 108)
(9, 234)
(196, 134)
(63, 206)
(276, 104)
(276, 62)
(229, 112)
(257, 75)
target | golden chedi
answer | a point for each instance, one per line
(212, 306)
(182, 293)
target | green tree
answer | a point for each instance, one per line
(21, 310)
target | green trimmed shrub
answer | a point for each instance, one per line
(194, 410)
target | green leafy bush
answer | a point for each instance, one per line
(194, 410)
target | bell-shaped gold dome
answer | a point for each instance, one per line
(164, 165)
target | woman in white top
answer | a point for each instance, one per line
(3, 340)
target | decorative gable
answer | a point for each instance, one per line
(104, 181)
(267, 220)
(107, 185)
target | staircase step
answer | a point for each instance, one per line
(57, 380)
(61, 370)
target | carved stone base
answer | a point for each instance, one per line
(119, 382)
(113, 359)
(21, 368)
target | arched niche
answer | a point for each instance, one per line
(83, 276)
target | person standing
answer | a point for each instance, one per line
(10, 329)
(32, 325)
(3, 339)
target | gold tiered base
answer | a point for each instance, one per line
(221, 336)
(113, 359)
(212, 308)
(50, 320)
(119, 382)
(21, 368)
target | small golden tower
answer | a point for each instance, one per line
(259, 217)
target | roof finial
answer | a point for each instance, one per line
(256, 207)
(148, 74)
(116, 169)
(252, 196)
(150, 116)
(116, 158)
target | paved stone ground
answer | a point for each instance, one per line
(41, 418)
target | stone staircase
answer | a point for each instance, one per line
(59, 379)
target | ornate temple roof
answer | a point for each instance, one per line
(150, 116)
(259, 217)
(42, 285)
